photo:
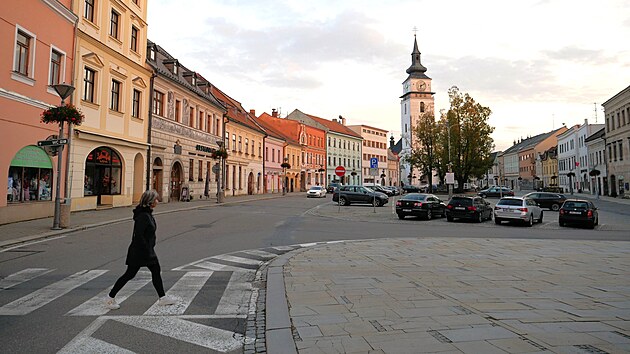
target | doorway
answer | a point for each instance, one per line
(250, 183)
(176, 181)
(156, 183)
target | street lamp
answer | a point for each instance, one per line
(571, 175)
(450, 165)
(284, 166)
(64, 91)
(220, 192)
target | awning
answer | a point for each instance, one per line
(31, 156)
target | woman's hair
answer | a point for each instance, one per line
(148, 197)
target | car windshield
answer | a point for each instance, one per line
(576, 205)
(461, 201)
(515, 202)
(369, 189)
(316, 188)
(414, 196)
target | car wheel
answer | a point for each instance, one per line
(480, 218)
(429, 216)
(555, 207)
(376, 203)
(401, 216)
(449, 218)
(561, 223)
(530, 221)
(541, 218)
(343, 201)
(490, 216)
(497, 221)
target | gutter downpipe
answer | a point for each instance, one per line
(150, 127)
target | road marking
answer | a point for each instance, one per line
(284, 248)
(235, 298)
(96, 305)
(184, 291)
(260, 253)
(22, 276)
(218, 267)
(43, 296)
(235, 259)
(186, 331)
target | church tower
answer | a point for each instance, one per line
(416, 100)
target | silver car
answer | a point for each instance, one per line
(517, 209)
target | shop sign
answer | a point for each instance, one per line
(204, 148)
(31, 156)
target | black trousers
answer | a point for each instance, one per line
(131, 272)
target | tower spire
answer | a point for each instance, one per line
(416, 70)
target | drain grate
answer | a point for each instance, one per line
(345, 300)
(590, 349)
(439, 336)
(378, 326)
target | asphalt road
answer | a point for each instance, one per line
(51, 291)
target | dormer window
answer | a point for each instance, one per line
(193, 80)
(175, 68)
(191, 77)
(152, 52)
(172, 65)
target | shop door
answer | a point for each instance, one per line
(250, 184)
(176, 181)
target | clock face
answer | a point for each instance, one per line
(421, 85)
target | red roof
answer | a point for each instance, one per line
(235, 111)
(288, 129)
(335, 126)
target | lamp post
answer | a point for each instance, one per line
(284, 175)
(220, 192)
(450, 165)
(64, 91)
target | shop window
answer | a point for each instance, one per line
(30, 176)
(191, 169)
(103, 172)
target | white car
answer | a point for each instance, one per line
(316, 191)
(517, 209)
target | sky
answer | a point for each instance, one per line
(537, 64)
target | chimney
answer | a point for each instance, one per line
(335, 120)
(274, 113)
(252, 112)
(343, 120)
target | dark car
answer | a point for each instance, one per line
(496, 192)
(411, 189)
(393, 189)
(578, 211)
(332, 186)
(551, 201)
(381, 189)
(420, 204)
(473, 208)
(359, 194)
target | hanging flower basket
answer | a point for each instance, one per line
(219, 154)
(68, 113)
(285, 165)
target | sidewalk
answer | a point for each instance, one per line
(24, 231)
(424, 295)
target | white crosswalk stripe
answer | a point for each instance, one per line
(184, 291)
(96, 305)
(261, 254)
(43, 296)
(240, 260)
(22, 276)
(235, 299)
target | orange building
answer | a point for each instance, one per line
(34, 57)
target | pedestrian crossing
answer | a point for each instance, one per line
(215, 288)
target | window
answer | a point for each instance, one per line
(227, 140)
(89, 77)
(191, 169)
(134, 38)
(240, 143)
(135, 107)
(158, 103)
(421, 106)
(200, 172)
(191, 118)
(55, 67)
(115, 102)
(178, 108)
(273, 155)
(620, 150)
(113, 24)
(246, 146)
(88, 14)
(266, 153)
(22, 53)
(233, 142)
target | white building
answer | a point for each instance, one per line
(567, 159)
(596, 150)
(582, 169)
(617, 113)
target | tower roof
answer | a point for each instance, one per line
(416, 70)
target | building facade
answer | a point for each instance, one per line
(617, 113)
(186, 127)
(374, 146)
(598, 173)
(273, 156)
(34, 58)
(417, 100)
(582, 169)
(109, 150)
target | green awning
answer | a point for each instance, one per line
(31, 156)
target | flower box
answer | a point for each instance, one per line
(68, 114)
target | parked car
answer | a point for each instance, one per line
(331, 186)
(408, 188)
(465, 207)
(381, 189)
(347, 195)
(578, 211)
(316, 191)
(551, 201)
(517, 209)
(496, 191)
(395, 190)
(420, 204)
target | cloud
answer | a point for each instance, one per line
(590, 56)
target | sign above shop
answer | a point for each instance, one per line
(53, 142)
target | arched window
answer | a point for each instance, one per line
(103, 172)
(421, 106)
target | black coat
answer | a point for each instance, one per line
(141, 252)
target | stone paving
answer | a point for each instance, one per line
(460, 296)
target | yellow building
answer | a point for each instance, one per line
(549, 160)
(108, 151)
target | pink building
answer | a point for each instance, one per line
(37, 42)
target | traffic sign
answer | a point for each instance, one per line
(340, 171)
(373, 171)
(53, 142)
(373, 162)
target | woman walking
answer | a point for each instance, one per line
(141, 252)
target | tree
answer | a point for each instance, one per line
(465, 136)
(424, 148)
